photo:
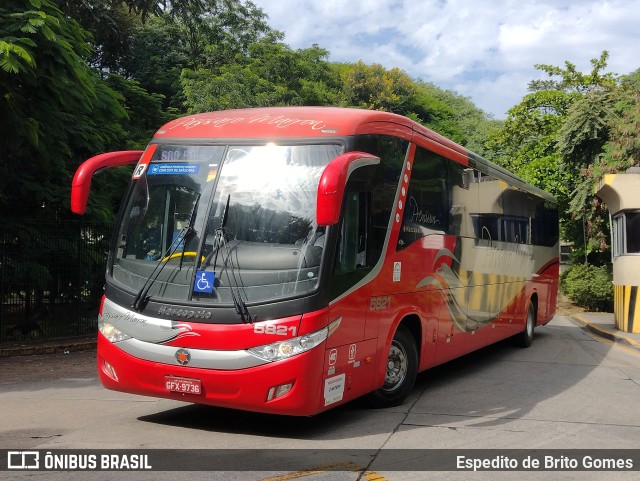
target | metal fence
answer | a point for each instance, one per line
(51, 278)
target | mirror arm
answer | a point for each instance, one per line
(82, 179)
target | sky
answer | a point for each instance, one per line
(482, 49)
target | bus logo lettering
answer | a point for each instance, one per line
(380, 303)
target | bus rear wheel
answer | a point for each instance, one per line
(401, 371)
(525, 338)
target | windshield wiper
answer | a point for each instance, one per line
(219, 235)
(141, 299)
(238, 303)
(192, 220)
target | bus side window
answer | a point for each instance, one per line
(352, 250)
(428, 205)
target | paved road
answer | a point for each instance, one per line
(568, 391)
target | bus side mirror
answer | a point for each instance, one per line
(82, 179)
(332, 184)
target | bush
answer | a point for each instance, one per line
(589, 286)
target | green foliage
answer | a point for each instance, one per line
(144, 113)
(272, 74)
(155, 59)
(444, 111)
(571, 80)
(533, 126)
(374, 87)
(589, 286)
(56, 109)
(622, 150)
(17, 26)
(600, 135)
(586, 127)
(198, 36)
(112, 25)
(455, 116)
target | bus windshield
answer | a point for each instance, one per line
(207, 223)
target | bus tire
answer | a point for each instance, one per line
(401, 371)
(525, 338)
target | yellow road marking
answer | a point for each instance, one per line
(598, 333)
(610, 343)
(344, 466)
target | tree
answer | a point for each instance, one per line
(552, 136)
(156, 59)
(600, 136)
(144, 113)
(112, 25)
(622, 150)
(56, 110)
(199, 36)
(455, 116)
(374, 87)
(271, 74)
(445, 112)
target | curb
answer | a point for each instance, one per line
(56, 346)
(610, 334)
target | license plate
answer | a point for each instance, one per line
(183, 385)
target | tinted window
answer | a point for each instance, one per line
(383, 183)
(633, 232)
(428, 200)
(545, 225)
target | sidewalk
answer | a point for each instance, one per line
(602, 324)
(52, 346)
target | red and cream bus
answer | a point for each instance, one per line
(288, 260)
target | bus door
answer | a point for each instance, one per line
(351, 350)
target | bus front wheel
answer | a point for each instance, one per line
(401, 371)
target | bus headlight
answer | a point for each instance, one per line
(112, 333)
(285, 349)
(291, 347)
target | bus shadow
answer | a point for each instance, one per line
(490, 387)
(501, 383)
(213, 419)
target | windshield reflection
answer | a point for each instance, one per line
(273, 245)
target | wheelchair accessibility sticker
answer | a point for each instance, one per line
(204, 281)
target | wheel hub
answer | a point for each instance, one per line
(396, 367)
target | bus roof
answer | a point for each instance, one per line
(323, 122)
(277, 122)
(299, 122)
